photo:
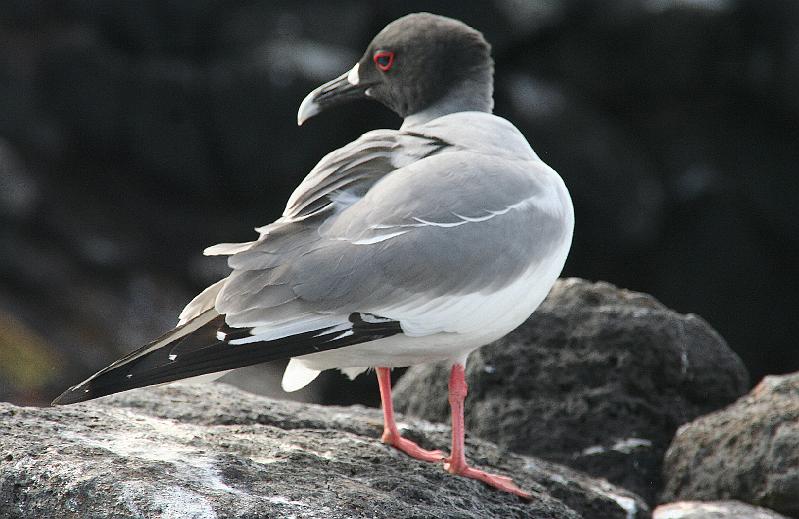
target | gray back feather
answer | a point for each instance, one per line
(396, 217)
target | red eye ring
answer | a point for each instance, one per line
(384, 60)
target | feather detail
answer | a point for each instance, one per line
(195, 349)
(297, 376)
(227, 249)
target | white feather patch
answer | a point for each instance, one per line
(352, 372)
(378, 238)
(297, 376)
(306, 323)
(204, 301)
(227, 249)
(352, 77)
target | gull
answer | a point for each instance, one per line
(403, 247)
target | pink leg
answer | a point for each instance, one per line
(391, 434)
(456, 463)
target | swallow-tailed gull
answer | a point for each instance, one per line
(403, 247)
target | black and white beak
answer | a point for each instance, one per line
(346, 87)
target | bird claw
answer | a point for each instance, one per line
(497, 481)
(412, 449)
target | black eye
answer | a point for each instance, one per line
(384, 59)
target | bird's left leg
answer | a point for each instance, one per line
(456, 462)
(391, 434)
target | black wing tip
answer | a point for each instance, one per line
(205, 357)
(73, 395)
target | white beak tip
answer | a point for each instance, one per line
(308, 108)
(352, 75)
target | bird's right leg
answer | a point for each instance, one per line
(456, 462)
(391, 434)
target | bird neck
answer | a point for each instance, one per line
(468, 96)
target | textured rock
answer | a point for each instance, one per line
(713, 510)
(215, 451)
(748, 451)
(598, 378)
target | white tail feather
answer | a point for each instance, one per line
(297, 376)
(352, 372)
(204, 301)
(226, 249)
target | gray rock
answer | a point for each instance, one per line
(598, 379)
(215, 451)
(748, 451)
(713, 510)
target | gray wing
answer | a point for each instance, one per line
(450, 224)
(259, 291)
(352, 170)
(339, 179)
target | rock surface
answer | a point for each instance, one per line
(598, 378)
(713, 510)
(748, 451)
(214, 451)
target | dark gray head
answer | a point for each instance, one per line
(420, 63)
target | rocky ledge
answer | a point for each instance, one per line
(748, 451)
(598, 378)
(713, 510)
(214, 451)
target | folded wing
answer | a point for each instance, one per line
(207, 345)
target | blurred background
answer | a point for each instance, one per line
(134, 134)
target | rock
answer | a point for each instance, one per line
(215, 451)
(713, 510)
(748, 451)
(598, 378)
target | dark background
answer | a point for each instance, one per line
(134, 134)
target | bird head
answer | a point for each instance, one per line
(415, 63)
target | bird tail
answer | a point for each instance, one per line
(200, 347)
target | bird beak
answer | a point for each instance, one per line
(346, 87)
